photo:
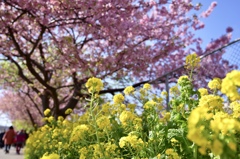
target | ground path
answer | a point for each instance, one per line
(11, 155)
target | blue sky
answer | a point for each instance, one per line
(226, 13)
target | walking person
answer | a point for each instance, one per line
(20, 139)
(9, 138)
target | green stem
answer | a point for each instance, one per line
(190, 76)
(195, 151)
(94, 118)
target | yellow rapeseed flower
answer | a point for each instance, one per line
(174, 90)
(164, 93)
(182, 79)
(174, 142)
(235, 106)
(103, 122)
(110, 147)
(94, 85)
(106, 107)
(47, 112)
(169, 151)
(132, 140)
(60, 118)
(232, 146)
(147, 86)
(51, 156)
(68, 111)
(195, 130)
(203, 91)
(50, 119)
(78, 132)
(211, 102)
(172, 154)
(129, 90)
(118, 98)
(131, 106)
(217, 147)
(215, 84)
(192, 61)
(83, 153)
(150, 104)
(167, 116)
(126, 117)
(230, 85)
(202, 150)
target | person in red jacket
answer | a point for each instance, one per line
(8, 138)
(20, 139)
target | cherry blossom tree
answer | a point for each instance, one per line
(21, 107)
(54, 46)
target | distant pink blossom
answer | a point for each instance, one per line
(229, 29)
(209, 10)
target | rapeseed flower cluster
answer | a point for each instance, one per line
(68, 111)
(112, 129)
(147, 86)
(95, 151)
(171, 154)
(224, 124)
(79, 132)
(230, 85)
(211, 102)
(235, 106)
(192, 61)
(209, 126)
(51, 156)
(174, 90)
(103, 122)
(195, 127)
(94, 85)
(164, 93)
(215, 84)
(47, 112)
(203, 91)
(150, 104)
(129, 90)
(126, 117)
(131, 140)
(118, 98)
(183, 79)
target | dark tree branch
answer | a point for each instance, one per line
(35, 74)
(38, 39)
(32, 100)
(18, 48)
(18, 17)
(31, 118)
(21, 74)
(29, 62)
(112, 91)
(63, 99)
